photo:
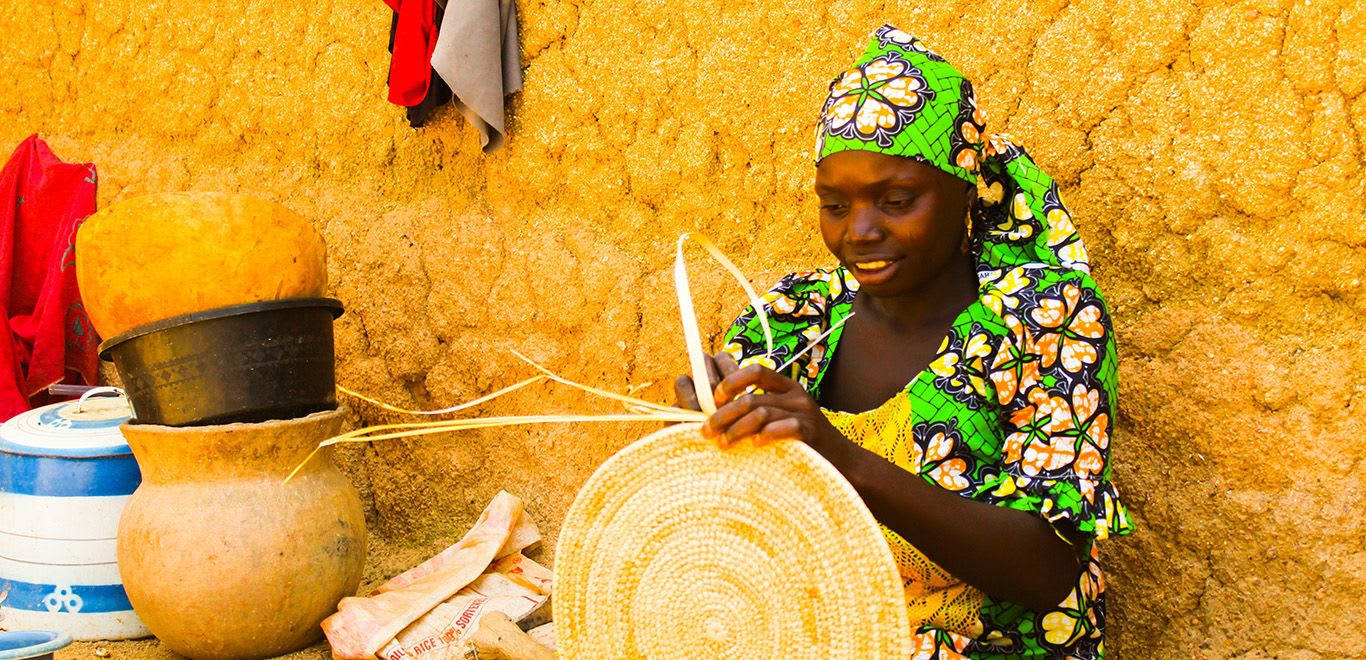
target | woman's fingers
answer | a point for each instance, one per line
(725, 416)
(718, 368)
(764, 420)
(726, 364)
(754, 402)
(749, 400)
(753, 376)
(714, 374)
(749, 424)
(787, 428)
(684, 393)
(729, 414)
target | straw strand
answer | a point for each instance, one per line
(444, 411)
(640, 409)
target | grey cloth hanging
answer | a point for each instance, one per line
(477, 55)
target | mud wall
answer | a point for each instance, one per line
(1211, 151)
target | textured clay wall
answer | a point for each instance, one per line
(1211, 151)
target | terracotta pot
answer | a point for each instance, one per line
(150, 258)
(221, 559)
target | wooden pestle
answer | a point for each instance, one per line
(498, 638)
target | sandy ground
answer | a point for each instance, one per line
(151, 648)
(385, 560)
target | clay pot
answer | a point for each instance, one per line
(150, 258)
(221, 559)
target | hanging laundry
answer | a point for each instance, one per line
(48, 337)
(411, 64)
(478, 56)
(414, 37)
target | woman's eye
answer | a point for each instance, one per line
(833, 207)
(898, 202)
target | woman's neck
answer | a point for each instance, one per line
(943, 296)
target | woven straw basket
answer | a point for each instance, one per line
(677, 549)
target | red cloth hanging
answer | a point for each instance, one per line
(48, 335)
(410, 67)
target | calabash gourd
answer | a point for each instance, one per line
(151, 258)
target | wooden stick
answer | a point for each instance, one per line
(498, 638)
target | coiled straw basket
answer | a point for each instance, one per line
(677, 549)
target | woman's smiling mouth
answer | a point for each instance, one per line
(874, 271)
(871, 265)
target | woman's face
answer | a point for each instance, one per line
(895, 223)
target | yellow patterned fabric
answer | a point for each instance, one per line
(933, 596)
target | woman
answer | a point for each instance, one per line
(959, 366)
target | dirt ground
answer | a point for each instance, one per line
(151, 649)
(384, 561)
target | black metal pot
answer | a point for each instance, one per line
(244, 363)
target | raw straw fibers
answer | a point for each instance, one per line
(675, 548)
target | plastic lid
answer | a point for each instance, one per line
(69, 429)
(31, 644)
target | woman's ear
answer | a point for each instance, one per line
(969, 203)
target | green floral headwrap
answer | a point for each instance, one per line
(902, 99)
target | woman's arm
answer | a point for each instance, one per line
(1009, 554)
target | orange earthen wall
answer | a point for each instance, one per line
(1211, 152)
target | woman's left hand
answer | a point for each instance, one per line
(780, 410)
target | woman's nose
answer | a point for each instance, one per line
(865, 225)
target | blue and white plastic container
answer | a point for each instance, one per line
(65, 475)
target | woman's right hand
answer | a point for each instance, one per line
(718, 367)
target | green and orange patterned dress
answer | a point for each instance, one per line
(1015, 411)
(1017, 407)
